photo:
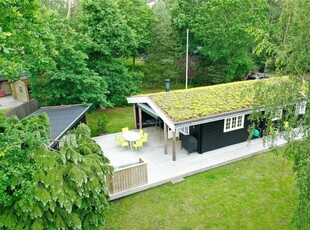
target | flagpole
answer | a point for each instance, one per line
(187, 30)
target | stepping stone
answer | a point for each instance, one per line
(177, 180)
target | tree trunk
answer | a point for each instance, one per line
(69, 8)
(133, 61)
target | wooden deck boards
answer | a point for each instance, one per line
(161, 168)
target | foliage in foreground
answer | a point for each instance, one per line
(42, 188)
(292, 55)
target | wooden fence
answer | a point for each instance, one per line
(127, 177)
(24, 109)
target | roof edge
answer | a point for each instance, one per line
(71, 124)
(212, 118)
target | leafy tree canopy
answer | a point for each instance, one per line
(52, 54)
(228, 31)
(289, 47)
(43, 188)
(164, 50)
(107, 28)
(111, 37)
(139, 18)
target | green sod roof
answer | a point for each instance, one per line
(182, 105)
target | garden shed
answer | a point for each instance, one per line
(62, 119)
(216, 116)
(21, 89)
(5, 88)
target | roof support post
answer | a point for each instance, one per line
(134, 114)
(140, 118)
(166, 138)
(174, 157)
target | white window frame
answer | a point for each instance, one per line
(301, 108)
(184, 130)
(278, 116)
(231, 123)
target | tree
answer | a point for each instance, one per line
(139, 18)
(18, 36)
(46, 189)
(67, 79)
(164, 50)
(108, 29)
(111, 38)
(291, 52)
(70, 9)
(52, 54)
(228, 31)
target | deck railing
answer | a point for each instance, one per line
(127, 177)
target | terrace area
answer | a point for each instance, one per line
(160, 167)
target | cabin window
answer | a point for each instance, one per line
(233, 123)
(184, 130)
(278, 115)
(301, 108)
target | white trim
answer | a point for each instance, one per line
(231, 123)
(141, 99)
(184, 130)
(278, 116)
(157, 109)
(147, 109)
(213, 118)
(161, 114)
(301, 108)
(70, 126)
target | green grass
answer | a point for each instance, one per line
(3, 111)
(256, 193)
(148, 91)
(118, 118)
(128, 62)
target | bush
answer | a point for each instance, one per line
(42, 188)
(102, 123)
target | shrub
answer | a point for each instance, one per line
(102, 123)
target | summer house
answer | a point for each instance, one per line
(204, 118)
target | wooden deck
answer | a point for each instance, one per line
(160, 167)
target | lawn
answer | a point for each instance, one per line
(4, 111)
(119, 117)
(256, 193)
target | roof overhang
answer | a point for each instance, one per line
(212, 118)
(148, 110)
(150, 103)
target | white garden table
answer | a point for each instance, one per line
(131, 136)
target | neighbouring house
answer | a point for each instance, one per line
(5, 88)
(63, 119)
(21, 89)
(205, 118)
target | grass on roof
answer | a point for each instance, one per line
(206, 101)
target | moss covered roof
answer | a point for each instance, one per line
(182, 105)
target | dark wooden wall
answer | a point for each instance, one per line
(211, 135)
